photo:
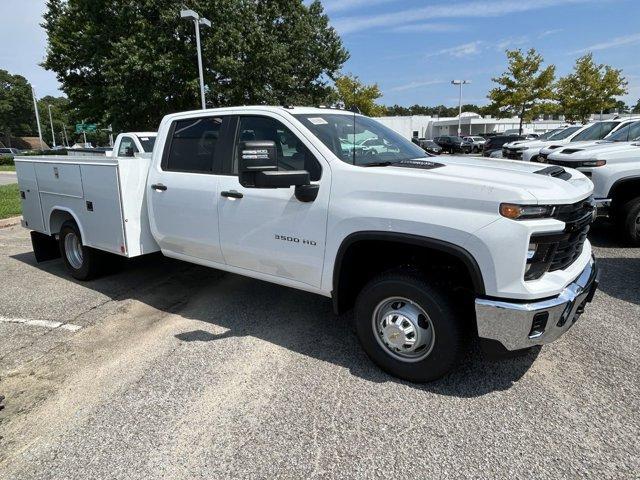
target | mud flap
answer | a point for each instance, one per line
(45, 247)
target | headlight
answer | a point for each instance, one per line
(592, 163)
(525, 212)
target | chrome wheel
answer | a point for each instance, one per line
(403, 329)
(73, 250)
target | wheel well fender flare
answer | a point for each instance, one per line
(622, 182)
(66, 212)
(460, 253)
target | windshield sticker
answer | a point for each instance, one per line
(318, 121)
(144, 139)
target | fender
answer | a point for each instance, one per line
(440, 245)
(621, 182)
(66, 210)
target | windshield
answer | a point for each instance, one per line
(597, 131)
(562, 134)
(147, 143)
(361, 143)
(548, 134)
(627, 133)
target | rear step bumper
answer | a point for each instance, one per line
(518, 325)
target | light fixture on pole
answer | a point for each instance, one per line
(460, 83)
(53, 135)
(197, 20)
(35, 107)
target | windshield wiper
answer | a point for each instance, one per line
(380, 164)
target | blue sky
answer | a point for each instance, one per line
(412, 48)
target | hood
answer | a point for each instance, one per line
(498, 180)
(589, 151)
(524, 144)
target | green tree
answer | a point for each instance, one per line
(591, 88)
(636, 109)
(355, 94)
(60, 114)
(16, 106)
(525, 89)
(129, 62)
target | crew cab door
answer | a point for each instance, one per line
(269, 230)
(183, 189)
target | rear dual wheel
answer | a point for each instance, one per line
(408, 327)
(82, 262)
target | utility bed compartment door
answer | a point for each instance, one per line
(59, 178)
(101, 209)
(29, 197)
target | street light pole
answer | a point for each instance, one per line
(53, 135)
(197, 20)
(460, 83)
(35, 107)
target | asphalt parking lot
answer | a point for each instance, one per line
(167, 370)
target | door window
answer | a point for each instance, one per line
(193, 145)
(292, 153)
(127, 147)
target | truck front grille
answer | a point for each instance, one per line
(578, 218)
(512, 153)
(559, 250)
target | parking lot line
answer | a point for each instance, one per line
(42, 323)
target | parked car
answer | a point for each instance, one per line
(423, 252)
(496, 142)
(453, 144)
(9, 152)
(614, 169)
(430, 146)
(614, 131)
(477, 143)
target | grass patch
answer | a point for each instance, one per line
(7, 168)
(9, 201)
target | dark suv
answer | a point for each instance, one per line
(452, 144)
(495, 143)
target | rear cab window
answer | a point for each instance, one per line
(192, 145)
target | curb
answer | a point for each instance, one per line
(10, 222)
(7, 172)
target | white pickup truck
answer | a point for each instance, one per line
(527, 150)
(423, 251)
(606, 131)
(614, 168)
(131, 143)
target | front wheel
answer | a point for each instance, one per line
(82, 262)
(630, 220)
(408, 327)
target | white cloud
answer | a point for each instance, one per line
(427, 27)
(412, 85)
(458, 51)
(332, 6)
(511, 42)
(546, 33)
(473, 9)
(616, 42)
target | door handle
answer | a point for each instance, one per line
(158, 186)
(231, 194)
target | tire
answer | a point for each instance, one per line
(391, 300)
(630, 221)
(82, 262)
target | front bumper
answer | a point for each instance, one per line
(518, 325)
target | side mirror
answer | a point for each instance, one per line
(259, 167)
